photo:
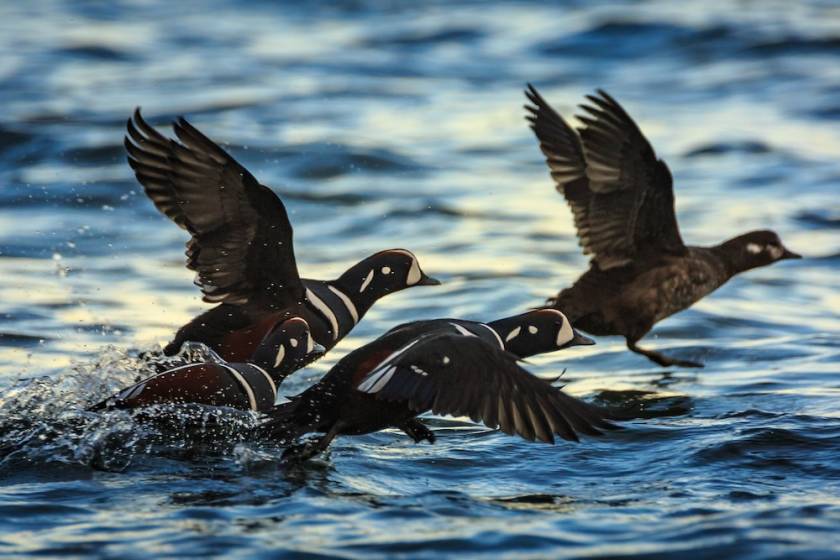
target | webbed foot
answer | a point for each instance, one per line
(662, 359)
(417, 430)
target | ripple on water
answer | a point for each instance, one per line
(401, 126)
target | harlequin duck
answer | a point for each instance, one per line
(448, 366)
(249, 386)
(241, 248)
(622, 200)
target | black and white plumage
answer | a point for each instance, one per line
(622, 201)
(250, 385)
(447, 366)
(450, 374)
(241, 247)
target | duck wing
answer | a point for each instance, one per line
(241, 238)
(463, 375)
(620, 193)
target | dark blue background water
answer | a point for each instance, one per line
(386, 125)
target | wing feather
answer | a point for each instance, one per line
(449, 373)
(241, 238)
(620, 194)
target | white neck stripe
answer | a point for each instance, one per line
(325, 310)
(348, 303)
(248, 390)
(461, 330)
(267, 378)
(498, 338)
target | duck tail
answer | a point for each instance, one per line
(284, 424)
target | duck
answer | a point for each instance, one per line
(248, 385)
(241, 248)
(446, 366)
(622, 201)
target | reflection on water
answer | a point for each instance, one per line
(399, 126)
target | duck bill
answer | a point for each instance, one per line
(788, 254)
(579, 340)
(428, 281)
(318, 349)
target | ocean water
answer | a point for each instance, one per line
(387, 124)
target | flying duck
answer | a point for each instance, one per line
(241, 248)
(622, 201)
(448, 366)
(248, 386)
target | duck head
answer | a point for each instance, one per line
(287, 348)
(755, 249)
(538, 331)
(383, 273)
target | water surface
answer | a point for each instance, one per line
(387, 125)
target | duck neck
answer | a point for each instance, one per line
(728, 254)
(354, 285)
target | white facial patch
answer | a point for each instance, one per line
(513, 334)
(293, 342)
(366, 283)
(280, 355)
(566, 333)
(310, 344)
(386, 270)
(775, 251)
(414, 274)
(446, 360)
(532, 329)
(753, 248)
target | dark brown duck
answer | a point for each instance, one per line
(241, 248)
(622, 200)
(448, 366)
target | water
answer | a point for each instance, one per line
(386, 125)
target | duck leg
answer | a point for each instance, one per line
(301, 452)
(659, 358)
(417, 430)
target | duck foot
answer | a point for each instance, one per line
(417, 430)
(301, 452)
(662, 359)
